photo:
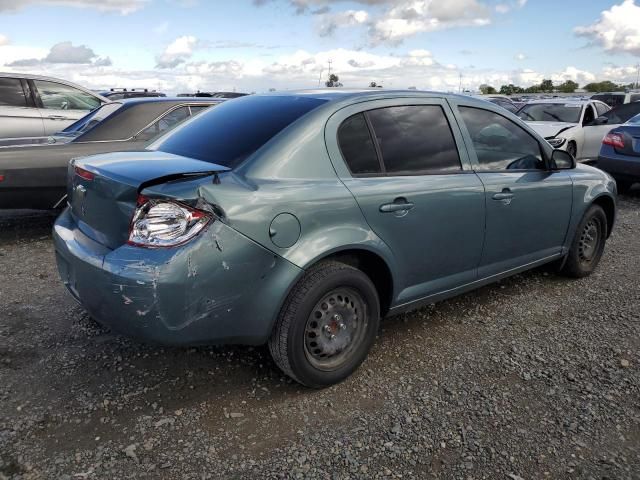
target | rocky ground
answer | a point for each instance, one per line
(534, 377)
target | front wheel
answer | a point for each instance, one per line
(588, 244)
(572, 149)
(326, 326)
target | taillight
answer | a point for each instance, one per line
(86, 174)
(614, 139)
(165, 223)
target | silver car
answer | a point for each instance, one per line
(32, 106)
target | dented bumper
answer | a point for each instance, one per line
(219, 288)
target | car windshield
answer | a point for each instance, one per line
(228, 134)
(551, 112)
(92, 119)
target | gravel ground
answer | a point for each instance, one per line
(534, 377)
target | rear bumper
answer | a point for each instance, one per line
(620, 166)
(219, 288)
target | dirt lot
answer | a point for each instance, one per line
(535, 377)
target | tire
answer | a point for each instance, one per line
(588, 244)
(572, 149)
(623, 186)
(326, 326)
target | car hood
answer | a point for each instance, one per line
(551, 129)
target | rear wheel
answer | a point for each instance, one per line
(588, 244)
(326, 326)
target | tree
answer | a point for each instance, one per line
(532, 89)
(487, 89)
(605, 86)
(333, 81)
(510, 89)
(568, 86)
(546, 86)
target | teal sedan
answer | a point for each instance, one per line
(300, 219)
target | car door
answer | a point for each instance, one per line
(404, 163)
(528, 206)
(61, 105)
(18, 115)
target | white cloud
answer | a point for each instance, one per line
(123, 7)
(582, 77)
(4, 40)
(617, 30)
(63, 52)
(621, 74)
(520, 56)
(409, 18)
(177, 52)
(330, 21)
(161, 28)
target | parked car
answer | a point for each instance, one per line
(227, 95)
(504, 102)
(32, 106)
(121, 93)
(596, 131)
(620, 154)
(615, 99)
(33, 170)
(298, 219)
(561, 122)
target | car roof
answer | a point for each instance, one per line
(138, 100)
(29, 76)
(564, 101)
(354, 94)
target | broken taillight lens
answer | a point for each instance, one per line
(86, 174)
(165, 223)
(614, 139)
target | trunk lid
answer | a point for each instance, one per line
(104, 205)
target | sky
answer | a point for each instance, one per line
(255, 45)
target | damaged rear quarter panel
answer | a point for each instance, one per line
(221, 288)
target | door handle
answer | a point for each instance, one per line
(57, 117)
(503, 196)
(396, 206)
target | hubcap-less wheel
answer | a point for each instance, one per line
(571, 148)
(589, 240)
(335, 328)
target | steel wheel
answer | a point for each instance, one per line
(335, 328)
(589, 241)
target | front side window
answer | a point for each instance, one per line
(11, 93)
(499, 143)
(164, 124)
(415, 139)
(57, 96)
(589, 115)
(601, 108)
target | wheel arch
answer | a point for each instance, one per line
(374, 265)
(609, 206)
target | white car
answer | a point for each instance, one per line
(561, 122)
(33, 106)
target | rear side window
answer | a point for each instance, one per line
(232, 131)
(499, 143)
(357, 146)
(165, 123)
(601, 108)
(11, 93)
(415, 139)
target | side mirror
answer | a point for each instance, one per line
(561, 160)
(600, 121)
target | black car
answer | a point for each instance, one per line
(620, 154)
(226, 95)
(33, 171)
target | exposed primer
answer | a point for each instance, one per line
(225, 265)
(192, 270)
(127, 300)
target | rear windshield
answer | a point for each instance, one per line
(91, 119)
(551, 112)
(228, 134)
(611, 99)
